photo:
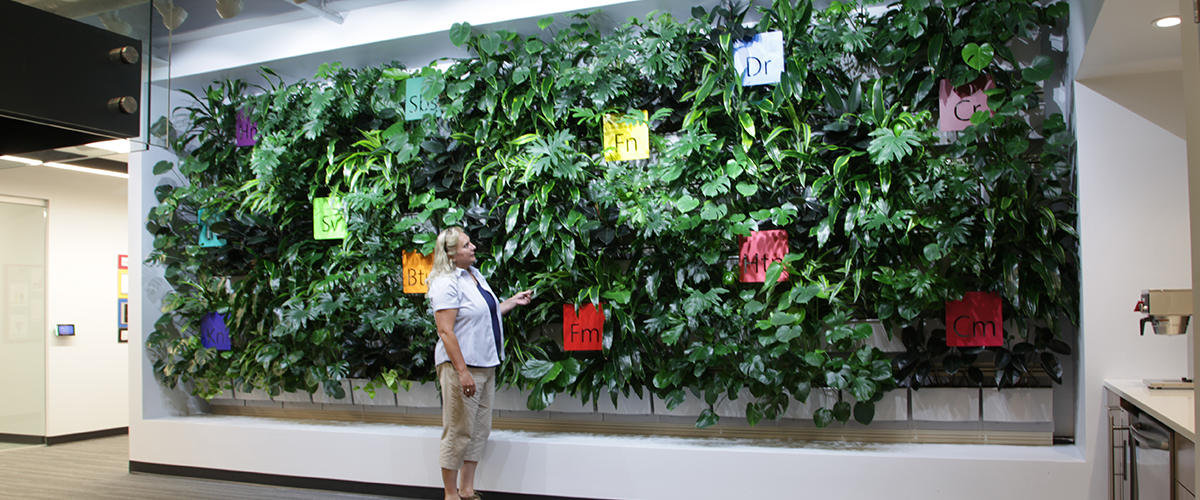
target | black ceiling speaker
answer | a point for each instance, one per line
(65, 83)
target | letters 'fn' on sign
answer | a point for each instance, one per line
(416, 267)
(626, 141)
(583, 331)
(329, 220)
(976, 320)
(760, 60)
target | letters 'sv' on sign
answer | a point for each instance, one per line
(624, 142)
(976, 320)
(416, 267)
(759, 61)
(957, 104)
(582, 332)
(329, 220)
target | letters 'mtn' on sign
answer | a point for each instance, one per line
(583, 332)
(416, 106)
(416, 267)
(756, 253)
(976, 320)
(957, 104)
(759, 61)
(623, 141)
(329, 220)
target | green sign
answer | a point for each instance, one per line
(329, 219)
(207, 237)
(416, 106)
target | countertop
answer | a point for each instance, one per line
(1173, 407)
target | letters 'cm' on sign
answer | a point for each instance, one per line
(760, 61)
(957, 104)
(757, 252)
(624, 141)
(976, 320)
(415, 104)
(416, 267)
(583, 331)
(329, 220)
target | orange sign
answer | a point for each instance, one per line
(416, 267)
(757, 252)
(976, 320)
(583, 332)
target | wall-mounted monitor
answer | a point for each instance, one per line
(64, 330)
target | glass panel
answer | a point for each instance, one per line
(23, 328)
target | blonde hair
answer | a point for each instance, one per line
(445, 252)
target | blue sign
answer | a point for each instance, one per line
(122, 313)
(213, 332)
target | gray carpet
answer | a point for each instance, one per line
(99, 469)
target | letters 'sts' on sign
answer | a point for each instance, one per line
(957, 104)
(416, 267)
(582, 332)
(623, 141)
(245, 132)
(329, 220)
(756, 253)
(976, 320)
(759, 61)
(213, 332)
(416, 106)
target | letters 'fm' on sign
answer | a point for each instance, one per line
(416, 267)
(976, 320)
(757, 252)
(957, 104)
(214, 333)
(207, 237)
(623, 141)
(759, 61)
(245, 132)
(329, 220)
(583, 331)
(415, 105)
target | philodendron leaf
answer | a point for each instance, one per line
(864, 412)
(822, 417)
(978, 56)
(707, 419)
(545, 22)
(747, 189)
(536, 368)
(841, 411)
(686, 204)
(163, 167)
(490, 44)
(892, 144)
(460, 33)
(1040, 69)
(1052, 367)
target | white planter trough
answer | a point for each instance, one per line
(879, 338)
(293, 397)
(817, 399)
(1018, 405)
(321, 397)
(225, 398)
(634, 404)
(510, 399)
(945, 404)
(383, 395)
(690, 407)
(424, 395)
(254, 395)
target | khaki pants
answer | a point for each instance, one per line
(466, 422)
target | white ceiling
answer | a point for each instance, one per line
(1125, 42)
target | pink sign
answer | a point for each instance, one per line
(246, 132)
(958, 104)
(756, 253)
(976, 320)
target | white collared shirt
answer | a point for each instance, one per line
(473, 325)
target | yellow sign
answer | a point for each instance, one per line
(416, 267)
(624, 141)
(122, 283)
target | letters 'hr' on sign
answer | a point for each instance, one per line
(759, 61)
(757, 252)
(624, 142)
(214, 333)
(416, 267)
(957, 104)
(329, 220)
(585, 331)
(415, 105)
(976, 320)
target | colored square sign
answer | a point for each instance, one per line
(583, 331)
(625, 141)
(757, 252)
(760, 60)
(957, 104)
(329, 219)
(214, 333)
(976, 320)
(122, 313)
(416, 267)
(245, 131)
(415, 104)
(207, 237)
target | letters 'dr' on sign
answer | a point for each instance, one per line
(757, 252)
(626, 141)
(976, 320)
(415, 104)
(957, 104)
(329, 220)
(416, 267)
(760, 60)
(583, 331)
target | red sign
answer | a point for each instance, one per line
(976, 320)
(956, 105)
(756, 253)
(583, 332)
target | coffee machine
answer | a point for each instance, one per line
(1168, 312)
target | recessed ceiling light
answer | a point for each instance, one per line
(1167, 22)
(86, 170)
(116, 146)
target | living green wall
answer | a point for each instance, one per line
(886, 218)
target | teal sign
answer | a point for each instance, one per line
(416, 106)
(207, 237)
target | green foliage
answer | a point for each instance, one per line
(885, 219)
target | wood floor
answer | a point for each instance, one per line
(99, 469)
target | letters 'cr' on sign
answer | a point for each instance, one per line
(976, 320)
(583, 331)
(957, 104)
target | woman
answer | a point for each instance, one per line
(470, 347)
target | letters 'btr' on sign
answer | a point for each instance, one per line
(214, 333)
(329, 220)
(624, 141)
(583, 332)
(957, 104)
(756, 253)
(245, 132)
(416, 267)
(759, 61)
(415, 105)
(976, 320)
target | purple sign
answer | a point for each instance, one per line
(246, 132)
(213, 332)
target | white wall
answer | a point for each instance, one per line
(23, 316)
(86, 376)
